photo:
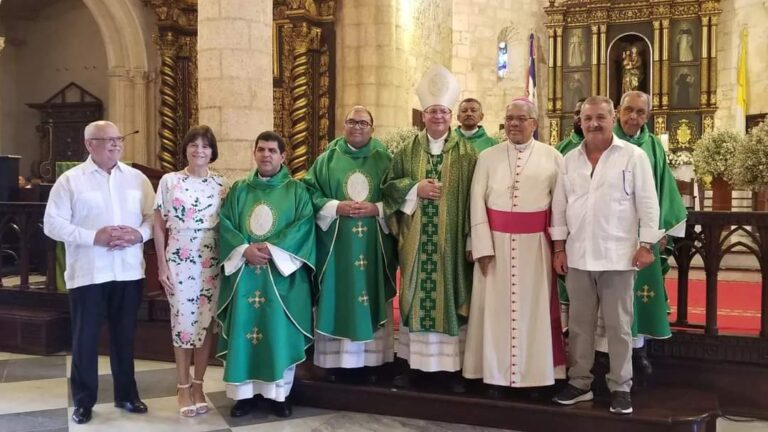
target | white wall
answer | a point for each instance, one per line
(59, 45)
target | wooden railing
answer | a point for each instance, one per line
(24, 247)
(712, 236)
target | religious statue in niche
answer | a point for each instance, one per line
(632, 69)
(684, 41)
(576, 52)
(576, 87)
(684, 88)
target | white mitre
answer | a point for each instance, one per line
(438, 87)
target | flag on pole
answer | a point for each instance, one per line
(530, 83)
(741, 84)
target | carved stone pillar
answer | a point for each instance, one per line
(304, 38)
(712, 90)
(657, 43)
(704, 70)
(665, 63)
(168, 154)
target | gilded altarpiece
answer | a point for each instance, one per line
(176, 40)
(303, 78)
(303, 48)
(666, 48)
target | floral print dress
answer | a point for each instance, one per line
(190, 207)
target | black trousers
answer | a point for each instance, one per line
(117, 302)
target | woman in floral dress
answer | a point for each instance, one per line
(186, 240)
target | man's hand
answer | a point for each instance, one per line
(104, 236)
(124, 236)
(663, 243)
(344, 208)
(468, 256)
(257, 254)
(643, 258)
(429, 189)
(560, 262)
(485, 262)
(364, 209)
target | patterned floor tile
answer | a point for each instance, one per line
(45, 420)
(32, 368)
(25, 396)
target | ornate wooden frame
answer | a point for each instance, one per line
(600, 16)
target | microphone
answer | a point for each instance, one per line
(129, 134)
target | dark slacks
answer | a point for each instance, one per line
(117, 302)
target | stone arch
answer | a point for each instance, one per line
(126, 27)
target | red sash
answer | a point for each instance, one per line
(518, 222)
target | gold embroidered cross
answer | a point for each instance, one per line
(361, 262)
(429, 248)
(428, 284)
(431, 211)
(645, 293)
(255, 336)
(429, 266)
(429, 303)
(257, 268)
(256, 299)
(363, 298)
(359, 229)
(428, 322)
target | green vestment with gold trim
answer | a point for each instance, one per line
(356, 258)
(436, 279)
(480, 140)
(265, 317)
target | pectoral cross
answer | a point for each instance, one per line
(645, 293)
(255, 336)
(361, 262)
(359, 229)
(257, 268)
(256, 299)
(363, 298)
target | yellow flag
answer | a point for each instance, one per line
(741, 91)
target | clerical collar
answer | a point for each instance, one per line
(436, 145)
(637, 134)
(522, 147)
(352, 148)
(264, 177)
(469, 133)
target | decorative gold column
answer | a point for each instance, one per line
(305, 37)
(603, 60)
(704, 72)
(665, 63)
(657, 77)
(559, 69)
(168, 44)
(713, 61)
(551, 72)
(595, 59)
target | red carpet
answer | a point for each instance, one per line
(738, 305)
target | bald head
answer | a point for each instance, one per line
(95, 129)
(104, 143)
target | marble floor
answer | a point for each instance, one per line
(34, 396)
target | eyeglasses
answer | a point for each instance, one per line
(518, 119)
(435, 112)
(362, 124)
(111, 140)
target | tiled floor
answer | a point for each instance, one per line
(34, 396)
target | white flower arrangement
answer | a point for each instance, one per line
(751, 160)
(395, 138)
(713, 154)
(678, 159)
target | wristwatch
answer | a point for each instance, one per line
(646, 245)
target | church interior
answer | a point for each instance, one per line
(158, 67)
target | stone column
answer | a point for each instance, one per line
(234, 43)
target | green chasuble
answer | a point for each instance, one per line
(356, 259)
(650, 296)
(480, 140)
(436, 279)
(265, 317)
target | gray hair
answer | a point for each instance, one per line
(599, 100)
(636, 93)
(533, 112)
(93, 126)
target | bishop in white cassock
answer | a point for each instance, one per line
(514, 337)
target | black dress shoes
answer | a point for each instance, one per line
(242, 407)
(82, 415)
(134, 406)
(282, 409)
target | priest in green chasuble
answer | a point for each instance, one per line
(355, 253)
(265, 307)
(514, 338)
(469, 116)
(426, 198)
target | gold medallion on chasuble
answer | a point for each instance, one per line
(261, 221)
(357, 186)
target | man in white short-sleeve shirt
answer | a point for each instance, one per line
(102, 211)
